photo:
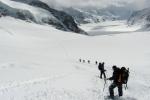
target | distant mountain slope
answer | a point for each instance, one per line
(82, 16)
(94, 15)
(38, 12)
(141, 17)
(6, 10)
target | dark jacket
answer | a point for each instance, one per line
(101, 67)
(115, 76)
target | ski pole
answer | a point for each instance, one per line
(104, 84)
(126, 86)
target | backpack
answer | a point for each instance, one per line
(123, 75)
(100, 66)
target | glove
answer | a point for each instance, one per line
(107, 79)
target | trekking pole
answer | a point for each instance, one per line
(126, 86)
(105, 79)
(104, 84)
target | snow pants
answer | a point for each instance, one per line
(114, 85)
(102, 73)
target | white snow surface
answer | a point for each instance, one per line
(39, 62)
(109, 27)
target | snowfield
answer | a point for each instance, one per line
(39, 62)
(109, 27)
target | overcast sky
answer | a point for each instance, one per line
(138, 4)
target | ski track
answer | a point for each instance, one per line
(41, 89)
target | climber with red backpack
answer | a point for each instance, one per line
(119, 77)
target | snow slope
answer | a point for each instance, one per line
(41, 63)
(38, 12)
(109, 28)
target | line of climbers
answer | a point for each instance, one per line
(119, 77)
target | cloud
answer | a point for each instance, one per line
(135, 4)
(142, 3)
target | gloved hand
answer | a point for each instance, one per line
(107, 79)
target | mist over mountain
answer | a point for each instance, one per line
(132, 4)
(87, 11)
(141, 17)
(68, 14)
(95, 15)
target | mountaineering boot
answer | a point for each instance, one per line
(110, 97)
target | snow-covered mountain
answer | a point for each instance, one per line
(82, 16)
(141, 17)
(94, 15)
(64, 18)
(6, 10)
(38, 12)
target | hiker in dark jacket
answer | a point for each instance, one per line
(96, 62)
(102, 70)
(117, 81)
